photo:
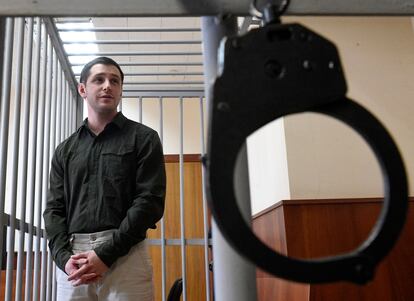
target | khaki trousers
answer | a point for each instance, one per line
(128, 279)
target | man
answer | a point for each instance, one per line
(107, 187)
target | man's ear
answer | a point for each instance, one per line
(82, 90)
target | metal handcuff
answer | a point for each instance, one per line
(274, 71)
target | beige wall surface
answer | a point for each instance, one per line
(325, 158)
(268, 166)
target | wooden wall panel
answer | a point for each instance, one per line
(193, 203)
(193, 217)
(312, 226)
(315, 228)
(270, 228)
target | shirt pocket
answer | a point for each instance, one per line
(117, 163)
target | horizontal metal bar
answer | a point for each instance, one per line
(163, 94)
(72, 20)
(165, 83)
(155, 64)
(161, 89)
(160, 74)
(132, 29)
(197, 7)
(132, 53)
(177, 242)
(134, 42)
(7, 221)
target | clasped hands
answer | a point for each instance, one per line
(85, 268)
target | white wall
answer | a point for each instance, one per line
(326, 159)
(171, 126)
(268, 169)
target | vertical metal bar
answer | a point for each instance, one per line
(79, 109)
(2, 41)
(24, 159)
(46, 163)
(54, 286)
(64, 107)
(54, 107)
(15, 135)
(140, 108)
(49, 283)
(182, 217)
(72, 112)
(58, 103)
(52, 136)
(39, 170)
(4, 122)
(68, 111)
(32, 160)
(120, 106)
(163, 254)
(67, 128)
(69, 121)
(234, 277)
(205, 213)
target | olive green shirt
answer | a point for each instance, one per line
(114, 180)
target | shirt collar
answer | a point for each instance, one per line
(119, 121)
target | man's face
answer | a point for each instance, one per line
(103, 89)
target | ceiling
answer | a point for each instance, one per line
(155, 53)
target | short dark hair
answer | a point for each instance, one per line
(99, 60)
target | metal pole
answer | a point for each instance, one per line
(39, 170)
(205, 210)
(54, 287)
(32, 160)
(73, 103)
(67, 113)
(153, 64)
(49, 283)
(50, 264)
(140, 108)
(46, 163)
(64, 107)
(234, 277)
(11, 231)
(58, 104)
(54, 107)
(163, 254)
(79, 109)
(4, 122)
(132, 29)
(2, 40)
(23, 172)
(62, 111)
(182, 217)
(120, 106)
(134, 42)
(135, 53)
